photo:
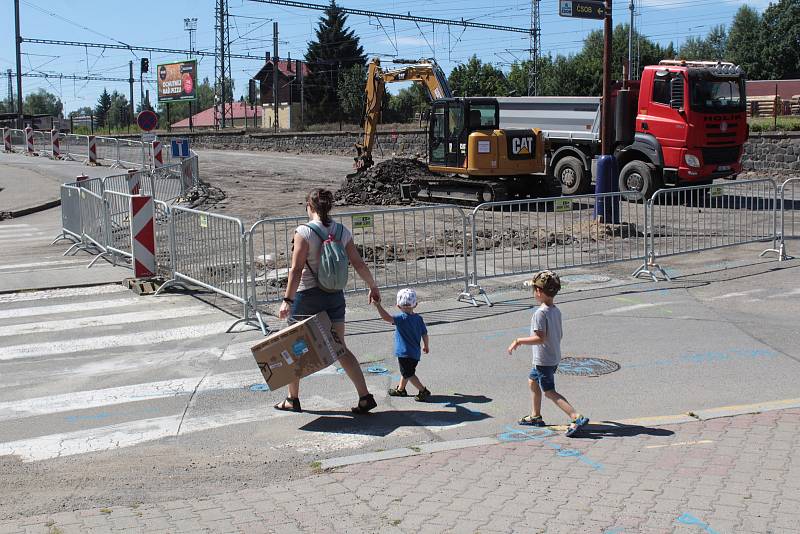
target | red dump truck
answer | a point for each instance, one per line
(682, 123)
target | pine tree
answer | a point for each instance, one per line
(336, 49)
(744, 42)
(103, 106)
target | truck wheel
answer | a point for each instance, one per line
(570, 173)
(639, 176)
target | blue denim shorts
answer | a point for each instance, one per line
(545, 375)
(315, 300)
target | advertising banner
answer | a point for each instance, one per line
(177, 82)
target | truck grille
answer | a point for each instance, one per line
(713, 156)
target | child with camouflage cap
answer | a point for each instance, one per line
(409, 330)
(545, 340)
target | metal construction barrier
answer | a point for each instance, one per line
(94, 223)
(788, 222)
(525, 236)
(131, 153)
(17, 139)
(208, 250)
(164, 240)
(696, 218)
(70, 214)
(107, 150)
(401, 246)
(76, 147)
(167, 182)
(118, 223)
(42, 144)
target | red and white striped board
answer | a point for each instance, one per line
(29, 141)
(158, 154)
(143, 237)
(55, 141)
(92, 151)
(134, 182)
(7, 140)
(81, 177)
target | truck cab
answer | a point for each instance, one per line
(690, 126)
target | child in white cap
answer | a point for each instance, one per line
(409, 330)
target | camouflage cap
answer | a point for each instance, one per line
(547, 281)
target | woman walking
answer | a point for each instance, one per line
(304, 297)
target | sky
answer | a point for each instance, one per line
(159, 23)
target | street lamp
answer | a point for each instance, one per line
(190, 25)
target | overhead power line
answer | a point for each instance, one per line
(395, 16)
(138, 48)
(72, 77)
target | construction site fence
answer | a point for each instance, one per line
(111, 151)
(415, 246)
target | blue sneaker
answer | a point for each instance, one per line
(576, 425)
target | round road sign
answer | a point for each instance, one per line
(147, 120)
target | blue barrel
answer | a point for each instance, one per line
(607, 181)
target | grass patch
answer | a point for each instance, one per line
(316, 467)
(52, 528)
(105, 510)
(767, 124)
(395, 522)
(415, 448)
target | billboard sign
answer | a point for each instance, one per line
(177, 82)
(583, 9)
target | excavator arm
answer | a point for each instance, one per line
(424, 71)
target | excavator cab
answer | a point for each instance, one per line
(450, 124)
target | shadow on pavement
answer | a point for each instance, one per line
(610, 429)
(384, 423)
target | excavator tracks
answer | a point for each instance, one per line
(472, 192)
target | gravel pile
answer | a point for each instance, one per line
(380, 184)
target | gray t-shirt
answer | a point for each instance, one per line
(547, 319)
(307, 280)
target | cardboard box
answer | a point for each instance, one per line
(298, 351)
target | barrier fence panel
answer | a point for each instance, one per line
(790, 207)
(525, 236)
(131, 153)
(41, 143)
(93, 223)
(402, 247)
(76, 146)
(118, 223)
(17, 139)
(95, 185)
(164, 239)
(107, 150)
(695, 218)
(209, 251)
(166, 182)
(70, 213)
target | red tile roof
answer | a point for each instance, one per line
(205, 118)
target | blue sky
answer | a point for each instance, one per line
(160, 24)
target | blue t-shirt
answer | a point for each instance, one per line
(408, 332)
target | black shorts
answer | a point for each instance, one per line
(408, 366)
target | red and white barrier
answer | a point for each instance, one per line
(143, 237)
(29, 141)
(81, 177)
(92, 151)
(7, 147)
(134, 182)
(158, 155)
(55, 141)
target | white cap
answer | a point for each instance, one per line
(407, 297)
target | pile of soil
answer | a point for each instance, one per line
(380, 185)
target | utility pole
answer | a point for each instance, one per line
(130, 81)
(534, 44)
(10, 91)
(630, 42)
(275, 69)
(221, 82)
(18, 42)
(190, 25)
(299, 73)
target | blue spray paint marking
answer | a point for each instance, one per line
(340, 370)
(689, 519)
(105, 415)
(377, 370)
(506, 332)
(709, 357)
(259, 387)
(614, 530)
(541, 434)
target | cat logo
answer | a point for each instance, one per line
(522, 146)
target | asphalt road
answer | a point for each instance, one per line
(114, 398)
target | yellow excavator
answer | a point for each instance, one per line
(475, 159)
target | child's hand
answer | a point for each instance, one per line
(513, 346)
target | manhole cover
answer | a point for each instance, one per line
(585, 279)
(578, 366)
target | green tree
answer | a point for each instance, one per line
(781, 39)
(350, 92)
(478, 79)
(407, 103)
(119, 111)
(336, 49)
(745, 42)
(84, 111)
(101, 110)
(42, 102)
(713, 46)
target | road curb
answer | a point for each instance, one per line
(657, 420)
(33, 209)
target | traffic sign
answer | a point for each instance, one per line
(582, 9)
(147, 120)
(180, 148)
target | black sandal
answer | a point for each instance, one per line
(295, 405)
(365, 404)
